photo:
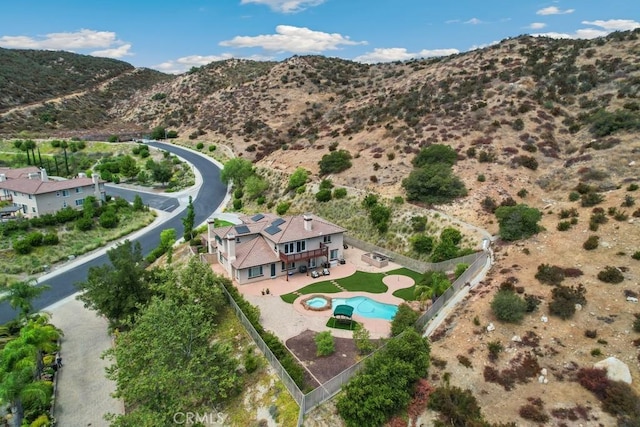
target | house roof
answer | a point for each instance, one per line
(254, 252)
(37, 186)
(16, 173)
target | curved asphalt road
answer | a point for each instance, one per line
(210, 195)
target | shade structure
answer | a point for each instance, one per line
(343, 310)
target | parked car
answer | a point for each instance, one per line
(302, 269)
(315, 274)
(325, 272)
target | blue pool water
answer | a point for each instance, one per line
(317, 302)
(366, 307)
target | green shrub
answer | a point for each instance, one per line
(50, 239)
(481, 178)
(495, 348)
(22, 247)
(628, 201)
(335, 162)
(325, 345)
(518, 222)
(237, 204)
(34, 238)
(591, 243)
(507, 306)
(212, 148)
(522, 193)
(251, 362)
(340, 193)
(574, 196)
(636, 255)
(563, 226)
(564, 300)
(405, 318)
(298, 178)
(283, 207)
(200, 145)
(84, 224)
(323, 195)
(636, 322)
(238, 193)
(422, 243)
(632, 187)
(610, 274)
(550, 274)
(591, 199)
(108, 219)
(457, 407)
(362, 340)
(460, 268)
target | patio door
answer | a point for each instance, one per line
(273, 270)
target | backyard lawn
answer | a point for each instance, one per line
(360, 281)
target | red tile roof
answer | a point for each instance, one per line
(37, 186)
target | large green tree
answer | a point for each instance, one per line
(236, 170)
(298, 178)
(117, 291)
(435, 154)
(434, 184)
(168, 361)
(518, 222)
(188, 221)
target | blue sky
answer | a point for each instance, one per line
(175, 35)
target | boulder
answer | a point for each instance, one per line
(491, 328)
(616, 369)
(544, 319)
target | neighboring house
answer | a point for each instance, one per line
(35, 193)
(267, 246)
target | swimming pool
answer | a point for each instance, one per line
(366, 307)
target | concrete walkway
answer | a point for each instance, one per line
(83, 395)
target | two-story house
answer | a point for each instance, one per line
(267, 246)
(35, 193)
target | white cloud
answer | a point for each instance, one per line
(286, 6)
(181, 65)
(553, 10)
(400, 54)
(606, 27)
(298, 40)
(116, 52)
(614, 24)
(537, 25)
(473, 21)
(83, 39)
(482, 46)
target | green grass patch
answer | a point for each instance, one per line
(407, 294)
(406, 272)
(289, 298)
(362, 281)
(334, 323)
(221, 223)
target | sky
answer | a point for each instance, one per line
(175, 35)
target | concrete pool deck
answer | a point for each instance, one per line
(289, 320)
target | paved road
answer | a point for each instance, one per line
(153, 200)
(209, 196)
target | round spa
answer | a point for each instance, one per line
(317, 303)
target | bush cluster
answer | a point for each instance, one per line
(618, 398)
(550, 274)
(508, 306)
(610, 274)
(564, 300)
(325, 344)
(591, 243)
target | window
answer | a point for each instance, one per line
(326, 239)
(79, 202)
(333, 254)
(33, 209)
(57, 194)
(237, 240)
(288, 248)
(30, 197)
(255, 272)
(78, 189)
(301, 246)
(65, 193)
(294, 247)
(64, 204)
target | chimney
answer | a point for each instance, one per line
(82, 175)
(3, 177)
(33, 175)
(96, 187)
(308, 226)
(43, 175)
(231, 247)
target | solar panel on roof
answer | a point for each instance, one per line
(272, 229)
(241, 229)
(257, 217)
(278, 221)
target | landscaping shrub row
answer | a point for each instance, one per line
(295, 371)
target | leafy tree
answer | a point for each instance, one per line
(283, 207)
(20, 296)
(444, 250)
(188, 221)
(335, 162)
(433, 183)
(518, 222)
(326, 184)
(419, 223)
(117, 291)
(380, 216)
(255, 186)
(137, 203)
(108, 218)
(236, 170)
(298, 178)
(162, 172)
(165, 369)
(158, 132)
(168, 237)
(128, 167)
(405, 318)
(435, 154)
(369, 201)
(325, 344)
(432, 284)
(451, 234)
(362, 339)
(508, 306)
(460, 269)
(323, 195)
(422, 243)
(340, 193)
(564, 300)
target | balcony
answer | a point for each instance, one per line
(303, 256)
(8, 198)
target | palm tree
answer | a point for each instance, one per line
(21, 294)
(431, 285)
(21, 365)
